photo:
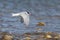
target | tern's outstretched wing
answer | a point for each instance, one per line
(25, 19)
(21, 19)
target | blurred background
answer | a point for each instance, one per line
(47, 11)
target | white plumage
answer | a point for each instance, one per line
(24, 17)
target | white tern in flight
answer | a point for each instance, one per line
(24, 17)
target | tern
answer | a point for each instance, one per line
(25, 17)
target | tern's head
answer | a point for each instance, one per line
(28, 13)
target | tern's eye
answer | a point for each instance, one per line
(28, 12)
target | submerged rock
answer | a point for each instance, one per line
(40, 24)
(27, 38)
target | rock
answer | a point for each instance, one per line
(40, 24)
(27, 34)
(38, 29)
(27, 38)
(48, 36)
(7, 37)
(56, 37)
(49, 33)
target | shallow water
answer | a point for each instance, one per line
(46, 11)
